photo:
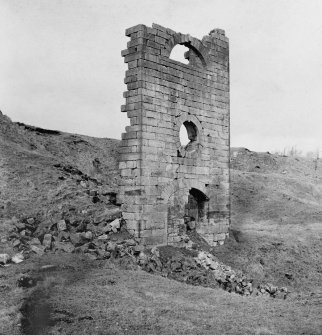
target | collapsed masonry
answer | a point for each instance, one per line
(166, 187)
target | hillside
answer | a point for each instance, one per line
(276, 221)
(41, 170)
(276, 236)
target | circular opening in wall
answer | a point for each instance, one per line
(188, 135)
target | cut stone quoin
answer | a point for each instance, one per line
(165, 185)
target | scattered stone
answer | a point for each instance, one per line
(155, 251)
(61, 225)
(83, 184)
(76, 239)
(47, 241)
(39, 250)
(130, 243)
(101, 253)
(20, 225)
(15, 243)
(35, 241)
(17, 258)
(107, 229)
(4, 258)
(103, 237)
(63, 236)
(81, 227)
(31, 221)
(111, 246)
(88, 235)
(64, 246)
(138, 248)
(116, 224)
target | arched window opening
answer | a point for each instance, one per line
(188, 135)
(179, 53)
(184, 139)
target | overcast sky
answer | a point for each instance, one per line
(61, 65)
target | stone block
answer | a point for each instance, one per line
(153, 240)
(219, 237)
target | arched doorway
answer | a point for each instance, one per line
(196, 208)
(187, 209)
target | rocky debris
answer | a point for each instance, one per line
(104, 238)
(98, 238)
(61, 225)
(47, 241)
(73, 171)
(236, 281)
(4, 259)
(18, 258)
(273, 291)
(204, 270)
(178, 267)
(37, 250)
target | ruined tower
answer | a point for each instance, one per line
(166, 186)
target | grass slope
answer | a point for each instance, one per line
(276, 230)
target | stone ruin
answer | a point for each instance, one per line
(166, 187)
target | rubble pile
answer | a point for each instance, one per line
(98, 239)
(206, 270)
(236, 281)
(102, 239)
(178, 267)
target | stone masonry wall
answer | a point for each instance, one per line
(167, 188)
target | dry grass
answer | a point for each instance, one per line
(114, 301)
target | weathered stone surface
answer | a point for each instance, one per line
(38, 249)
(61, 225)
(76, 239)
(20, 225)
(31, 221)
(4, 258)
(163, 181)
(18, 258)
(115, 224)
(103, 237)
(35, 241)
(47, 241)
(88, 235)
(63, 236)
(64, 246)
(16, 243)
